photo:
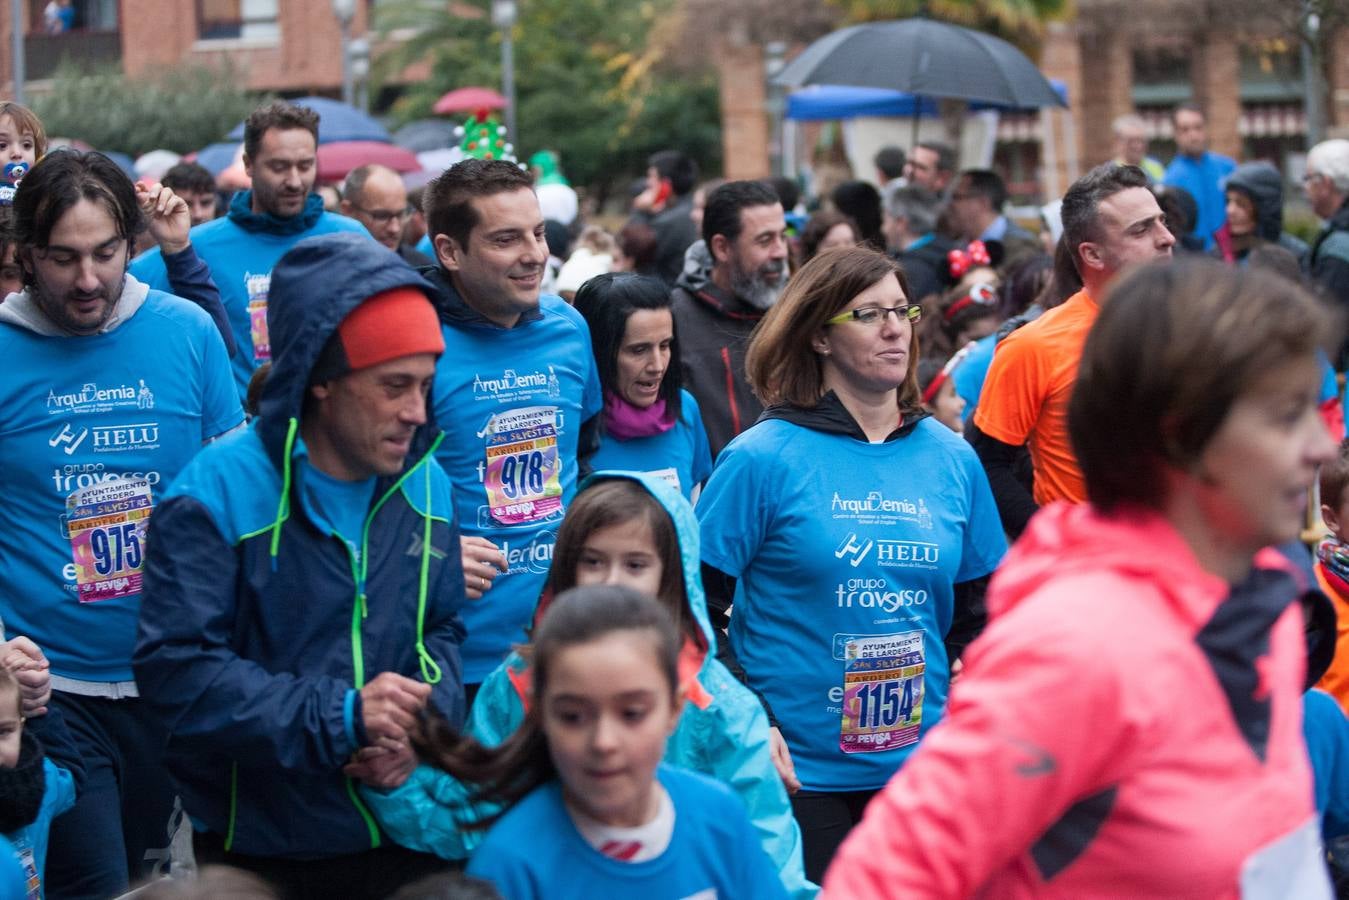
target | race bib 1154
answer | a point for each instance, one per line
(882, 692)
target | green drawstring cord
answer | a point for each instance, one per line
(430, 671)
(283, 506)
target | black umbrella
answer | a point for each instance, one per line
(923, 57)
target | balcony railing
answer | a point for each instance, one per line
(43, 53)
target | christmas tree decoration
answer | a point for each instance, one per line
(483, 137)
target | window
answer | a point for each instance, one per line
(242, 19)
(64, 16)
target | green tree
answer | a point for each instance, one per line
(180, 109)
(1019, 21)
(591, 82)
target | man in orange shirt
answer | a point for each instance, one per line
(1110, 220)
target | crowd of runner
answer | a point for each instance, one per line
(446, 545)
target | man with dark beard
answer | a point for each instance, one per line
(730, 279)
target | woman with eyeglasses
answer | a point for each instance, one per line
(853, 533)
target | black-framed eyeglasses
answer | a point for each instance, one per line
(384, 216)
(874, 315)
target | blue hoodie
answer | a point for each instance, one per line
(257, 628)
(57, 785)
(241, 248)
(722, 733)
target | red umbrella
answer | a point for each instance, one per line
(469, 98)
(340, 157)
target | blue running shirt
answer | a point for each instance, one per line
(511, 402)
(92, 431)
(681, 455)
(846, 554)
(241, 264)
(535, 851)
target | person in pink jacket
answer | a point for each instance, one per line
(1129, 725)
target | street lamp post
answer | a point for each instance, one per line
(503, 17)
(345, 10)
(16, 49)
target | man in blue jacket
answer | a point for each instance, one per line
(1199, 171)
(301, 607)
(281, 159)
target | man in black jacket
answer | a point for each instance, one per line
(666, 205)
(1326, 183)
(730, 280)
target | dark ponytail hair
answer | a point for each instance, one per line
(504, 774)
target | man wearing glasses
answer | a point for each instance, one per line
(1327, 187)
(374, 195)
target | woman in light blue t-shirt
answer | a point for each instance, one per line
(650, 424)
(854, 535)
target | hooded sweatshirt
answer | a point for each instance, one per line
(722, 732)
(512, 402)
(1128, 724)
(1262, 184)
(260, 624)
(32, 794)
(241, 248)
(93, 429)
(714, 330)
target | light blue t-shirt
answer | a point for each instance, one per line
(511, 402)
(338, 507)
(535, 851)
(426, 247)
(681, 455)
(968, 377)
(1203, 178)
(241, 264)
(846, 554)
(92, 431)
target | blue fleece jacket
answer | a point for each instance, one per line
(258, 627)
(58, 795)
(722, 733)
(241, 248)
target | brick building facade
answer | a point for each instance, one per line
(288, 46)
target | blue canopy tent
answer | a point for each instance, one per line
(823, 102)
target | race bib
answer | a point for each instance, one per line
(258, 287)
(107, 523)
(882, 692)
(669, 476)
(523, 472)
(32, 878)
(1291, 866)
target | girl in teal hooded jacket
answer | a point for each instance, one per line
(627, 528)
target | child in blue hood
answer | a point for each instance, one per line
(636, 530)
(33, 790)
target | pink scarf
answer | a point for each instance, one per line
(625, 421)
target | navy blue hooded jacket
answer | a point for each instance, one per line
(257, 628)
